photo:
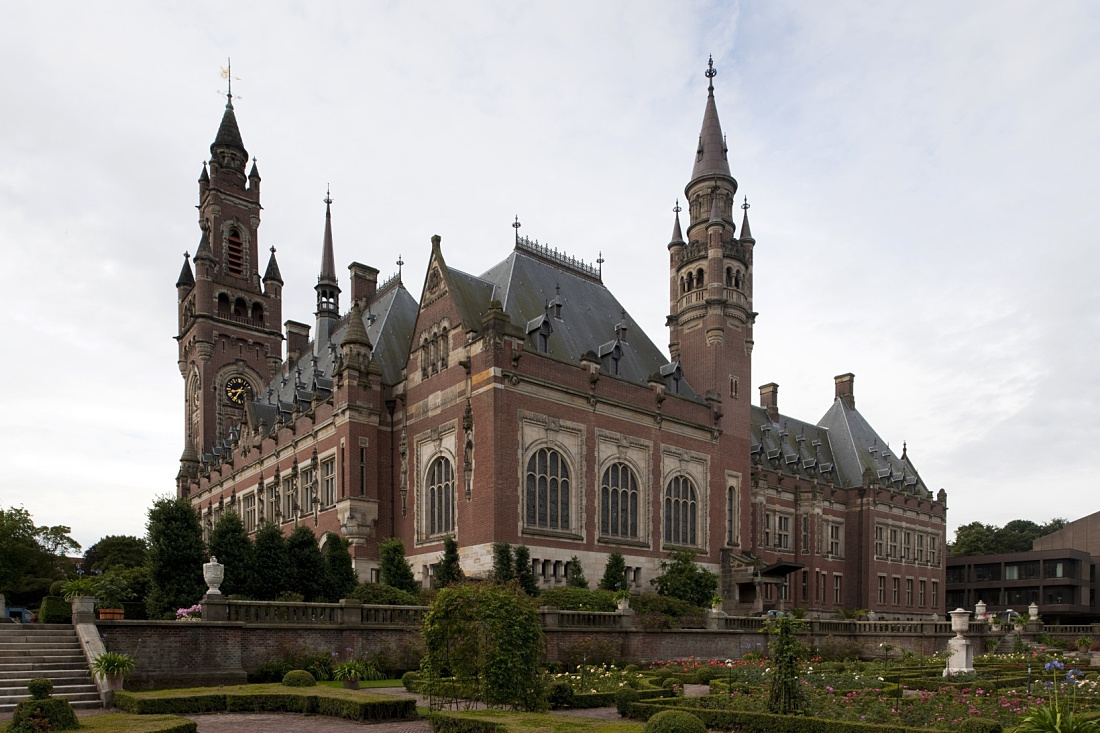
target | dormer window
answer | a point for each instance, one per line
(234, 253)
(539, 329)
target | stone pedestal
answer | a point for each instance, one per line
(215, 607)
(961, 660)
(83, 610)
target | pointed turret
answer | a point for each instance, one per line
(272, 274)
(229, 135)
(204, 177)
(203, 252)
(186, 278)
(677, 234)
(328, 289)
(710, 158)
(254, 174)
(356, 334)
(745, 232)
(328, 260)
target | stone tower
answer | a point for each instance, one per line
(710, 278)
(229, 314)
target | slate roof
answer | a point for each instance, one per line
(229, 134)
(838, 448)
(710, 158)
(525, 284)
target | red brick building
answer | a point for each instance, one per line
(524, 405)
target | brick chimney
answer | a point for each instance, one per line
(364, 283)
(845, 389)
(769, 399)
(297, 339)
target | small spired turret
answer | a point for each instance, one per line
(328, 288)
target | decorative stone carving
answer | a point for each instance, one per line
(213, 573)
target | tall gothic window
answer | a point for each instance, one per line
(440, 497)
(619, 502)
(681, 509)
(234, 253)
(547, 490)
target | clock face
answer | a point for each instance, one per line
(238, 390)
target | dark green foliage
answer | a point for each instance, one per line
(673, 685)
(270, 564)
(40, 688)
(487, 637)
(316, 702)
(378, 594)
(449, 570)
(785, 696)
(589, 649)
(574, 574)
(681, 577)
(176, 554)
(614, 573)
(577, 599)
(55, 610)
(340, 578)
(33, 556)
(674, 721)
(394, 568)
(503, 570)
(305, 564)
(989, 539)
(664, 605)
(409, 680)
(51, 713)
(445, 723)
(298, 678)
(560, 695)
(229, 542)
(115, 551)
(749, 722)
(704, 675)
(624, 699)
(317, 663)
(524, 576)
(977, 725)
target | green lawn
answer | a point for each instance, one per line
(124, 723)
(330, 689)
(365, 684)
(546, 723)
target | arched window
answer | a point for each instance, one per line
(424, 357)
(223, 305)
(240, 308)
(699, 277)
(444, 348)
(681, 509)
(440, 498)
(737, 280)
(234, 253)
(258, 313)
(619, 502)
(731, 515)
(546, 495)
(729, 277)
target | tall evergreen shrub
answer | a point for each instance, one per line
(229, 542)
(340, 578)
(305, 569)
(176, 555)
(270, 576)
(394, 568)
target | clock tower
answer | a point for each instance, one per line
(229, 314)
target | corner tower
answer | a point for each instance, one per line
(710, 278)
(229, 315)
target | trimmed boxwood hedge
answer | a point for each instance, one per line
(315, 702)
(607, 699)
(444, 723)
(747, 722)
(55, 610)
(57, 711)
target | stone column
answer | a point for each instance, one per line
(215, 607)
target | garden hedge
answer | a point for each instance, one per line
(445, 723)
(55, 610)
(56, 712)
(315, 702)
(747, 722)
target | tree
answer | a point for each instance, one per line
(1018, 535)
(269, 576)
(524, 576)
(115, 551)
(449, 569)
(30, 556)
(305, 568)
(394, 568)
(681, 577)
(614, 575)
(340, 578)
(488, 642)
(229, 542)
(574, 574)
(785, 696)
(503, 570)
(176, 555)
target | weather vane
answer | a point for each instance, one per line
(400, 264)
(328, 196)
(227, 74)
(710, 73)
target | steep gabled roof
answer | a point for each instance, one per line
(857, 447)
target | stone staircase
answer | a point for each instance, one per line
(44, 650)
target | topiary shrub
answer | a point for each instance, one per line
(704, 675)
(409, 680)
(55, 610)
(662, 674)
(379, 594)
(631, 668)
(40, 688)
(977, 725)
(298, 678)
(560, 696)
(624, 699)
(577, 599)
(674, 721)
(51, 713)
(673, 685)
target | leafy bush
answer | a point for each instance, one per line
(113, 664)
(55, 610)
(674, 721)
(977, 725)
(393, 568)
(704, 675)
(40, 688)
(630, 668)
(681, 577)
(590, 650)
(51, 713)
(298, 678)
(574, 574)
(379, 594)
(664, 605)
(653, 621)
(614, 574)
(673, 685)
(624, 699)
(315, 702)
(560, 696)
(577, 599)
(409, 680)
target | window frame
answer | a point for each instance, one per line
(635, 508)
(445, 484)
(671, 508)
(529, 509)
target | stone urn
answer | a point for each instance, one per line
(213, 573)
(960, 622)
(979, 610)
(1033, 611)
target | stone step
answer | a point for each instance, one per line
(61, 690)
(60, 660)
(20, 677)
(41, 646)
(37, 636)
(80, 701)
(7, 630)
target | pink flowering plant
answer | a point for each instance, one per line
(194, 613)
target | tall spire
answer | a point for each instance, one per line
(328, 260)
(677, 234)
(710, 158)
(328, 289)
(272, 272)
(229, 135)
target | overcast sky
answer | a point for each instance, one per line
(923, 177)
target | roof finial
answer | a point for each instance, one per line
(272, 249)
(677, 208)
(400, 264)
(227, 74)
(328, 195)
(516, 225)
(710, 73)
(600, 261)
(186, 255)
(745, 205)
